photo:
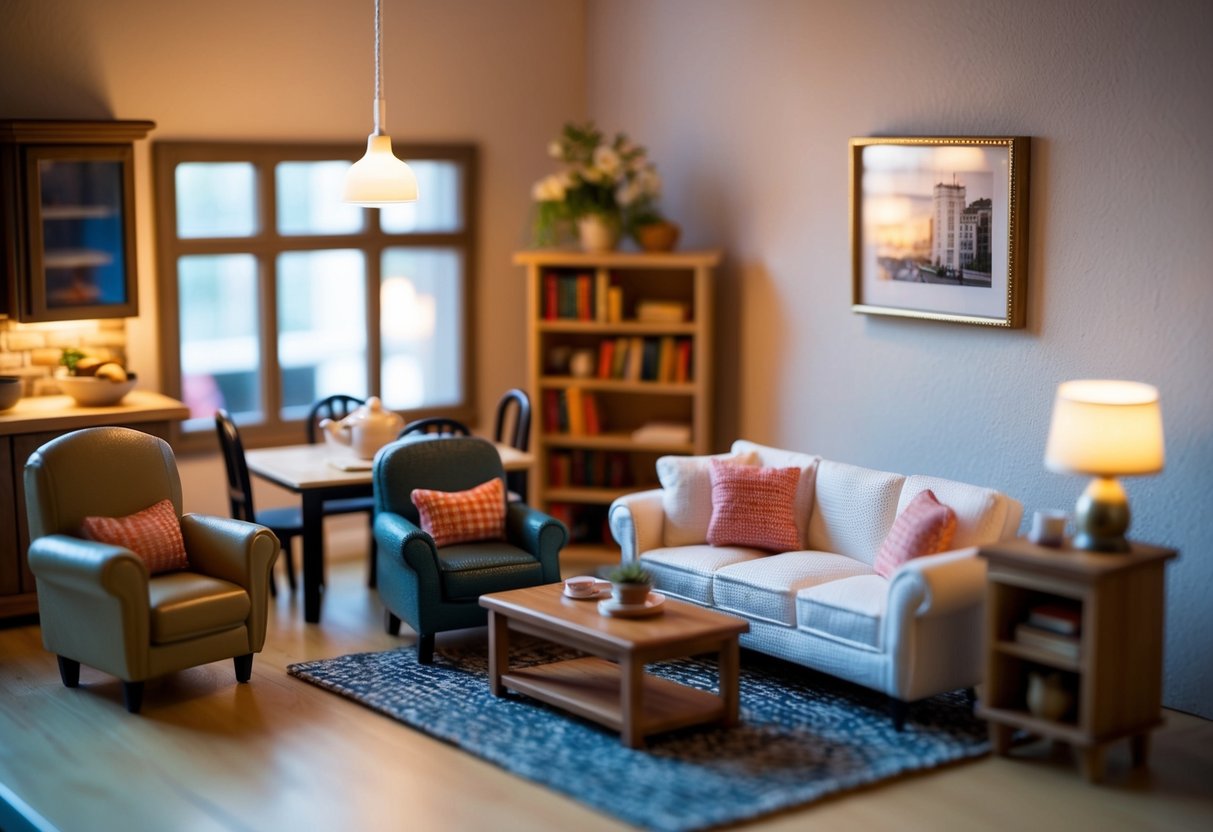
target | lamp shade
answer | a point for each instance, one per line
(1105, 429)
(379, 178)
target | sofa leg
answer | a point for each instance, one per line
(425, 649)
(971, 697)
(132, 695)
(244, 667)
(69, 671)
(898, 710)
(391, 623)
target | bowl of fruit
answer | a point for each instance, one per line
(94, 382)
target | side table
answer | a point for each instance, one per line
(1110, 662)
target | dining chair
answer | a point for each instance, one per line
(512, 426)
(435, 426)
(336, 408)
(285, 522)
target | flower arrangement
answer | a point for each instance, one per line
(610, 179)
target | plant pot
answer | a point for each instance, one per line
(633, 594)
(598, 233)
(658, 236)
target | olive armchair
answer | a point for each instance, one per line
(438, 589)
(98, 603)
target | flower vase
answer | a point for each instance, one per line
(598, 233)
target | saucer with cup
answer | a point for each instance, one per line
(586, 587)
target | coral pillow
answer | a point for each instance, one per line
(925, 527)
(752, 506)
(462, 516)
(153, 534)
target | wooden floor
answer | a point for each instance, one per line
(277, 753)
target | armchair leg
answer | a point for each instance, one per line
(69, 671)
(391, 623)
(425, 649)
(898, 710)
(132, 695)
(288, 552)
(372, 580)
(244, 667)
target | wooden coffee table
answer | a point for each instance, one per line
(610, 686)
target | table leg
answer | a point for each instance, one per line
(1000, 738)
(313, 555)
(1090, 760)
(1139, 746)
(631, 692)
(499, 651)
(730, 671)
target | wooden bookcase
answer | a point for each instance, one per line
(1116, 677)
(598, 372)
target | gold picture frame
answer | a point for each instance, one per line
(939, 228)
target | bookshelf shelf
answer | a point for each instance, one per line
(644, 323)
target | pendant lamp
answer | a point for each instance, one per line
(379, 178)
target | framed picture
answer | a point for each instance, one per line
(939, 228)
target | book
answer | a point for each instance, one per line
(551, 297)
(602, 288)
(585, 298)
(1065, 619)
(606, 357)
(661, 311)
(551, 411)
(614, 304)
(635, 358)
(665, 359)
(619, 361)
(593, 424)
(682, 363)
(575, 410)
(567, 308)
(1068, 646)
(649, 368)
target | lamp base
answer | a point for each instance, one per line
(1101, 517)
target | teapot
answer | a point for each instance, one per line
(364, 431)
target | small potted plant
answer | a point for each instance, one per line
(630, 584)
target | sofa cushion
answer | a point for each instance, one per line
(853, 509)
(686, 495)
(686, 571)
(924, 527)
(765, 588)
(802, 507)
(752, 506)
(980, 512)
(850, 610)
(184, 605)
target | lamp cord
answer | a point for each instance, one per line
(379, 114)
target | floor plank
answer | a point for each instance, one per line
(277, 753)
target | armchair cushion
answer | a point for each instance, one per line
(470, 570)
(752, 506)
(188, 605)
(461, 516)
(154, 534)
(925, 527)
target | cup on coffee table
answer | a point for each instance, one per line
(584, 586)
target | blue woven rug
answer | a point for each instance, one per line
(803, 735)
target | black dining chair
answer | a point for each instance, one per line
(512, 426)
(435, 426)
(286, 523)
(336, 408)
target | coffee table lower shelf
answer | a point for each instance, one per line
(592, 688)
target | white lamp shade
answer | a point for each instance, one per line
(379, 178)
(1105, 429)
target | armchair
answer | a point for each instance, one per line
(437, 589)
(98, 603)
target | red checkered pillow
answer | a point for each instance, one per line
(752, 506)
(153, 534)
(926, 527)
(462, 516)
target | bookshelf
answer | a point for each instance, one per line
(617, 342)
(1094, 621)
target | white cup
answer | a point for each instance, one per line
(1049, 527)
(583, 586)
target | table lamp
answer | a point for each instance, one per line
(1105, 429)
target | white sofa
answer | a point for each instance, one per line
(912, 636)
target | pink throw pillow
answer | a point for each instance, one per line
(153, 534)
(752, 506)
(926, 527)
(462, 516)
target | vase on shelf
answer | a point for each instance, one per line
(598, 233)
(658, 236)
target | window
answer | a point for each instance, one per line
(274, 293)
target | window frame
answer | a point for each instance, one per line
(266, 246)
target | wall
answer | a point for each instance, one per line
(746, 109)
(504, 74)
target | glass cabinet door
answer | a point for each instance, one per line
(81, 232)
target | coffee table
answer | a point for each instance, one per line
(610, 686)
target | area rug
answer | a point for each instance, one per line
(803, 735)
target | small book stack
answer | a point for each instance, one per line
(1054, 628)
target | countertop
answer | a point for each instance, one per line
(35, 414)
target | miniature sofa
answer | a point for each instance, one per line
(914, 635)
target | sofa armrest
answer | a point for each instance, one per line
(940, 584)
(637, 521)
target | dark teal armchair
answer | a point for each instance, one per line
(439, 589)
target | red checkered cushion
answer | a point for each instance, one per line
(752, 506)
(462, 516)
(153, 534)
(926, 527)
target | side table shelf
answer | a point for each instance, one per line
(1105, 655)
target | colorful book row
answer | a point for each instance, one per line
(581, 297)
(573, 411)
(589, 469)
(664, 359)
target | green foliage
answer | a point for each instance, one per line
(69, 357)
(630, 573)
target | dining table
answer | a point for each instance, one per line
(317, 473)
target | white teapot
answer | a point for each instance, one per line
(364, 431)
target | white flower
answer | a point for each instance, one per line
(555, 150)
(629, 193)
(549, 189)
(607, 161)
